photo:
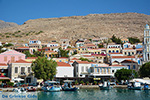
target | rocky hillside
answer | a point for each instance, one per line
(93, 25)
(7, 24)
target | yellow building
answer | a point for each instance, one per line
(97, 51)
(124, 40)
(31, 59)
(61, 59)
(51, 54)
(82, 50)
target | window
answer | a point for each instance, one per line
(113, 51)
(133, 66)
(16, 69)
(133, 53)
(97, 70)
(125, 53)
(113, 71)
(109, 51)
(129, 53)
(79, 49)
(100, 70)
(28, 69)
(5, 58)
(22, 69)
(87, 68)
(82, 69)
(98, 52)
(117, 51)
(128, 66)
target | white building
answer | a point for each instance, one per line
(116, 67)
(81, 68)
(146, 50)
(64, 70)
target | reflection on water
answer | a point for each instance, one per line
(91, 94)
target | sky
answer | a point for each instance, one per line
(19, 11)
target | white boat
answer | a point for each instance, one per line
(105, 86)
(51, 87)
(135, 86)
(20, 90)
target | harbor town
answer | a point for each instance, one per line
(103, 63)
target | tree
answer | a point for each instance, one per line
(7, 45)
(133, 40)
(116, 40)
(35, 54)
(44, 69)
(123, 74)
(84, 59)
(145, 70)
(63, 53)
(100, 45)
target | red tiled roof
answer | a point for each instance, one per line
(22, 61)
(115, 53)
(87, 55)
(63, 58)
(140, 49)
(22, 48)
(74, 59)
(128, 61)
(3, 64)
(90, 45)
(83, 62)
(123, 56)
(98, 55)
(116, 65)
(31, 57)
(50, 51)
(60, 64)
(128, 49)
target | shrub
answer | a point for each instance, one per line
(81, 82)
(76, 82)
(87, 82)
(7, 36)
(10, 83)
(95, 82)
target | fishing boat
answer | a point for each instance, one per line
(105, 86)
(31, 89)
(146, 87)
(68, 86)
(20, 90)
(51, 87)
(135, 86)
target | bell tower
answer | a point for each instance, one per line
(146, 49)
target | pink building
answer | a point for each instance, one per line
(11, 56)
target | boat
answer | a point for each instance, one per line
(68, 86)
(135, 86)
(51, 87)
(146, 87)
(20, 90)
(105, 86)
(1, 90)
(31, 89)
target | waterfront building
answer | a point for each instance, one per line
(81, 68)
(10, 56)
(21, 69)
(64, 70)
(146, 49)
(131, 64)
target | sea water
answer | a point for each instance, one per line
(96, 94)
